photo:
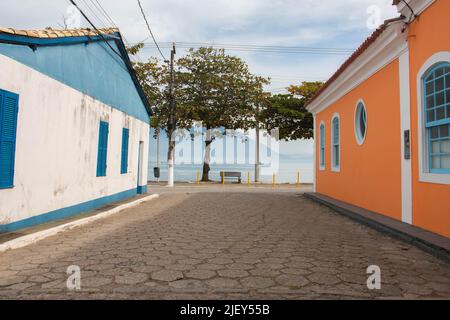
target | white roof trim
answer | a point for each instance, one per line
(417, 5)
(389, 46)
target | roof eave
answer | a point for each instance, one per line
(126, 58)
(22, 39)
(384, 41)
(418, 6)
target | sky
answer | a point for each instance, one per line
(292, 23)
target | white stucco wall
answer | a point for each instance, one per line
(57, 142)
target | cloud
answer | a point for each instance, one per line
(325, 23)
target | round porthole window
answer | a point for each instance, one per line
(360, 123)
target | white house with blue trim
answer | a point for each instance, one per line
(74, 125)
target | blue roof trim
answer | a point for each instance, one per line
(26, 40)
(123, 51)
(117, 38)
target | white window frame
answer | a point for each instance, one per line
(335, 168)
(360, 140)
(424, 172)
(322, 163)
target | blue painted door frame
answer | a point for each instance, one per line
(140, 189)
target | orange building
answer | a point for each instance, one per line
(382, 122)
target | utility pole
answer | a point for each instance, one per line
(172, 121)
(257, 147)
(257, 154)
(158, 162)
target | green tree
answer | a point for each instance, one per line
(218, 90)
(306, 90)
(154, 78)
(288, 113)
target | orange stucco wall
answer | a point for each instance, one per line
(427, 35)
(370, 174)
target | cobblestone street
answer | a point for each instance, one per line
(261, 245)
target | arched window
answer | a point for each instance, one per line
(336, 143)
(360, 122)
(322, 146)
(436, 100)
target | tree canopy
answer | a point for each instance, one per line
(306, 90)
(154, 78)
(219, 91)
(211, 87)
(288, 113)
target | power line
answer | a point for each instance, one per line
(347, 50)
(281, 49)
(95, 28)
(260, 48)
(102, 10)
(110, 20)
(279, 88)
(150, 30)
(100, 20)
(289, 76)
(299, 78)
(271, 50)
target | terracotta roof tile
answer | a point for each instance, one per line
(64, 33)
(20, 32)
(34, 34)
(6, 30)
(58, 33)
(52, 35)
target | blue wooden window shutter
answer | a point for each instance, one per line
(124, 159)
(9, 106)
(102, 149)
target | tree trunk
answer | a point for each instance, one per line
(207, 157)
(170, 160)
(158, 162)
(257, 168)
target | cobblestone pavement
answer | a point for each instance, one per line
(223, 245)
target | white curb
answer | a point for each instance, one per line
(35, 237)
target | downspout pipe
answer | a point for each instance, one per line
(389, 21)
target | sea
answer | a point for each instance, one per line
(288, 168)
(287, 159)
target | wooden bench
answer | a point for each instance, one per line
(230, 175)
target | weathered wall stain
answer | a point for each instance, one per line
(57, 143)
